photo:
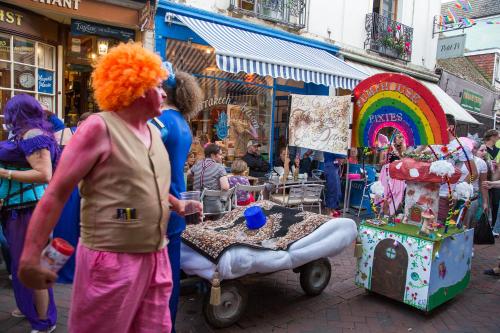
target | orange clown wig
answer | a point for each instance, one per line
(125, 74)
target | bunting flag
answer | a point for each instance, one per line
(468, 22)
(492, 22)
(467, 7)
(458, 4)
(451, 16)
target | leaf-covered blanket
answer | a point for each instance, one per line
(283, 227)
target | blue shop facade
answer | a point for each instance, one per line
(247, 71)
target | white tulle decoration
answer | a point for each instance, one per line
(442, 168)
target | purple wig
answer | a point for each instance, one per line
(23, 113)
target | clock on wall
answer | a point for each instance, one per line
(27, 80)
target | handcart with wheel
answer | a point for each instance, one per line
(290, 239)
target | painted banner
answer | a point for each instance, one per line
(320, 123)
(397, 101)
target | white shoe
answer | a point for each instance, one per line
(50, 330)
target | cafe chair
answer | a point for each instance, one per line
(318, 174)
(224, 196)
(256, 190)
(312, 196)
(294, 197)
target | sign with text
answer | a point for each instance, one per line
(45, 81)
(320, 123)
(471, 101)
(450, 47)
(89, 28)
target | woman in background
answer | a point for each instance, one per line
(28, 160)
(68, 226)
(183, 99)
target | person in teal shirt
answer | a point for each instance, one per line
(184, 97)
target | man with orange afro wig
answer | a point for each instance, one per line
(123, 279)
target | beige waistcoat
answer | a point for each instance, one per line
(131, 177)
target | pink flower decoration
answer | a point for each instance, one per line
(408, 44)
(398, 27)
(389, 29)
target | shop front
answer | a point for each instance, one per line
(27, 56)
(47, 48)
(246, 72)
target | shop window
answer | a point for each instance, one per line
(4, 47)
(24, 51)
(24, 77)
(5, 77)
(237, 107)
(26, 67)
(45, 54)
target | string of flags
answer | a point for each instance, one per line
(451, 20)
(463, 5)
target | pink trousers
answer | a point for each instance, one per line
(121, 292)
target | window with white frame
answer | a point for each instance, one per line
(26, 67)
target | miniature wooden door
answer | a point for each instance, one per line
(390, 264)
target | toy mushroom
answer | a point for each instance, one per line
(423, 180)
(428, 222)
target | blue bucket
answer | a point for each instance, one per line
(255, 217)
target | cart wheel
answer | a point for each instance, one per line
(315, 276)
(234, 299)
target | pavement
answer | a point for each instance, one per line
(277, 304)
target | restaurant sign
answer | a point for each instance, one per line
(471, 101)
(10, 17)
(79, 27)
(71, 4)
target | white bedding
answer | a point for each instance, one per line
(326, 241)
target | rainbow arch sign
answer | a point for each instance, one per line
(397, 101)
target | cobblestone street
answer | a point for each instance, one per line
(277, 304)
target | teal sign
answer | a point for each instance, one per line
(222, 127)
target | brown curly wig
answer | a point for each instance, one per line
(186, 96)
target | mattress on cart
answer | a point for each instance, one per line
(290, 238)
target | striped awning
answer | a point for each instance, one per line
(239, 50)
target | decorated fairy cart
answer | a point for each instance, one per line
(410, 257)
(222, 251)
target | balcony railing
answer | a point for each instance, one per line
(388, 37)
(291, 13)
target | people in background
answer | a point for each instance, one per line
(210, 174)
(305, 165)
(239, 169)
(257, 165)
(68, 226)
(184, 96)
(488, 185)
(490, 138)
(394, 189)
(458, 158)
(282, 159)
(333, 191)
(191, 160)
(31, 153)
(480, 193)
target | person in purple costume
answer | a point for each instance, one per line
(28, 157)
